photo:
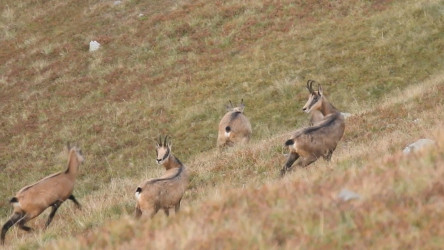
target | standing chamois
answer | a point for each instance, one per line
(50, 191)
(165, 192)
(310, 143)
(234, 127)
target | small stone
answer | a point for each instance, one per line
(93, 46)
(419, 144)
(346, 195)
(117, 2)
(141, 15)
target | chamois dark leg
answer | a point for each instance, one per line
(55, 206)
(330, 153)
(138, 212)
(290, 160)
(22, 223)
(14, 219)
(167, 211)
(71, 197)
(327, 156)
(177, 207)
(307, 161)
(155, 210)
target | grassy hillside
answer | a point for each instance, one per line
(169, 67)
(236, 199)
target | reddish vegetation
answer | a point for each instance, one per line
(169, 71)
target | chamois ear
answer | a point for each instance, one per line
(65, 151)
(242, 106)
(320, 89)
(230, 106)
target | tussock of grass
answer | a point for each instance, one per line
(172, 70)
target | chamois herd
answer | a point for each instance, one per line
(320, 138)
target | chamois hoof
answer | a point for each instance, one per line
(27, 229)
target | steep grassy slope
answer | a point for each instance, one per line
(172, 69)
(250, 207)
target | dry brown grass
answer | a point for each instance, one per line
(250, 207)
(172, 70)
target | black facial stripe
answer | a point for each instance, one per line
(313, 102)
(166, 155)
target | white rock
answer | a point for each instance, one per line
(93, 46)
(419, 144)
(140, 15)
(346, 195)
(117, 2)
(346, 115)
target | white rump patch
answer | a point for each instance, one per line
(137, 194)
(16, 204)
(227, 134)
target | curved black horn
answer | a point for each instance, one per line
(165, 141)
(231, 104)
(160, 140)
(310, 86)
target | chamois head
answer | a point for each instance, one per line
(74, 153)
(163, 150)
(314, 99)
(239, 108)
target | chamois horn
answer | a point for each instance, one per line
(310, 86)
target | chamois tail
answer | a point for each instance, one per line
(138, 191)
(15, 202)
(289, 142)
(227, 131)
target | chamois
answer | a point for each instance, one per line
(50, 191)
(310, 143)
(167, 191)
(234, 127)
(315, 114)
